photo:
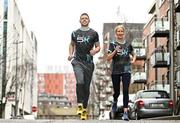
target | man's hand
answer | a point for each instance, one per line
(70, 57)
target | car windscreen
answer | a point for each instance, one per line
(153, 94)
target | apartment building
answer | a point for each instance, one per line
(60, 84)
(1, 41)
(18, 63)
(177, 10)
(56, 91)
(156, 35)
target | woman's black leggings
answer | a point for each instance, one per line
(116, 79)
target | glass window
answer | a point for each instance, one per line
(154, 94)
(5, 8)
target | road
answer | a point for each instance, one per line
(87, 121)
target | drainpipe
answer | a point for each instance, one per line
(171, 46)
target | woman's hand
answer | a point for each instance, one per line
(132, 58)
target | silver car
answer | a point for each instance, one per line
(151, 103)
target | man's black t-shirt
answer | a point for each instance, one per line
(84, 40)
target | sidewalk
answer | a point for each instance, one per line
(175, 117)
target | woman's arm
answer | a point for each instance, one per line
(111, 55)
(133, 57)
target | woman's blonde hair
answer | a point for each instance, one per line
(119, 26)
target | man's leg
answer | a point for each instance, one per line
(88, 72)
(79, 74)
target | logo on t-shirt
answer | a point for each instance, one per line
(79, 39)
(122, 51)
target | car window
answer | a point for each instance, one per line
(153, 94)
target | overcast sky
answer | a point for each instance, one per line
(52, 21)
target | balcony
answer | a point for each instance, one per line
(140, 53)
(160, 28)
(102, 107)
(177, 5)
(102, 96)
(178, 38)
(110, 98)
(107, 103)
(160, 59)
(137, 42)
(108, 90)
(178, 57)
(139, 77)
(178, 76)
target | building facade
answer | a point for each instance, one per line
(157, 35)
(157, 46)
(56, 92)
(161, 33)
(18, 68)
(58, 84)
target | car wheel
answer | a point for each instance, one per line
(136, 116)
(132, 115)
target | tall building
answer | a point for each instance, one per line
(60, 84)
(1, 41)
(158, 32)
(56, 92)
(18, 63)
(157, 46)
(70, 87)
(177, 10)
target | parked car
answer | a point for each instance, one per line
(151, 103)
(120, 110)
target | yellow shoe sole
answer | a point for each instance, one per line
(79, 109)
(83, 116)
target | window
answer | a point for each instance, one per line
(154, 94)
(5, 9)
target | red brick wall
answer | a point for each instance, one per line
(54, 83)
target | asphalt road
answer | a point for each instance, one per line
(88, 121)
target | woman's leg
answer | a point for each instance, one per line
(116, 86)
(126, 78)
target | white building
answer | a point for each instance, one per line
(1, 40)
(21, 53)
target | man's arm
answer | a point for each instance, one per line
(71, 50)
(96, 49)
